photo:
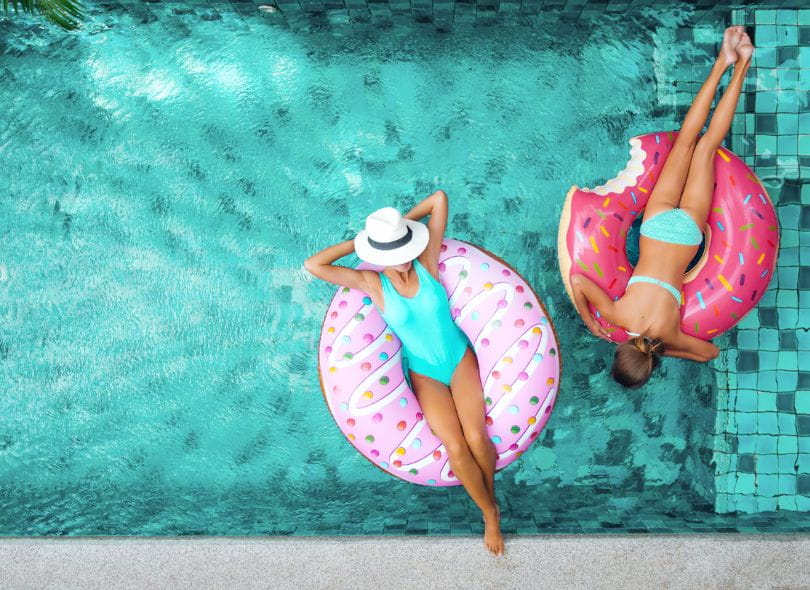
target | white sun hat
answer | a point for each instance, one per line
(389, 239)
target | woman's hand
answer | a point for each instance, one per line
(585, 292)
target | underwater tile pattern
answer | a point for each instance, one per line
(762, 449)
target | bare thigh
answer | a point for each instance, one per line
(438, 407)
(668, 188)
(699, 190)
(468, 394)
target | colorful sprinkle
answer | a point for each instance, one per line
(724, 282)
(700, 299)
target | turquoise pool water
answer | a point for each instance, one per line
(163, 183)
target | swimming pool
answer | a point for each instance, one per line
(165, 176)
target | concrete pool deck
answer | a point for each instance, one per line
(627, 561)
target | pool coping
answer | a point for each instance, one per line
(560, 561)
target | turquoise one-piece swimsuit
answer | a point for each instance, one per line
(433, 343)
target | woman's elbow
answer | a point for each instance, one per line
(310, 265)
(712, 354)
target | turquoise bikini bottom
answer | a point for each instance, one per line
(642, 279)
(674, 226)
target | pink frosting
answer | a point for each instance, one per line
(741, 250)
(366, 391)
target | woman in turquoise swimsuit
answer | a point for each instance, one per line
(671, 232)
(444, 369)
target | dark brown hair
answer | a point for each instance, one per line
(635, 360)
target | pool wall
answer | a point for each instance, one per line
(762, 436)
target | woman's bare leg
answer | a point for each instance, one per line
(699, 189)
(669, 187)
(440, 411)
(468, 396)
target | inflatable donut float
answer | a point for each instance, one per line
(363, 383)
(741, 239)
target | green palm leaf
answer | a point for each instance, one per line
(65, 13)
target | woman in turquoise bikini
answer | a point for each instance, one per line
(671, 232)
(443, 367)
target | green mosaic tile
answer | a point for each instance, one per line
(786, 463)
(767, 464)
(786, 425)
(766, 444)
(767, 424)
(766, 402)
(767, 485)
(787, 483)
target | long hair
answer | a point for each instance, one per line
(635, 360)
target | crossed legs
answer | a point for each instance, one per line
(697, 194)
(459, 422)
(690, 164)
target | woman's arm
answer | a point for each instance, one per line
(586, 291)
(437, 207)
(691, 348)
(320, 265)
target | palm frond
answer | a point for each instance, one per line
(65, 13)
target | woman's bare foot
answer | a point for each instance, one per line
(745, 49)
(731, 38)
(493, 538)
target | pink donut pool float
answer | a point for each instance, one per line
(741, 238)
(359, 362)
